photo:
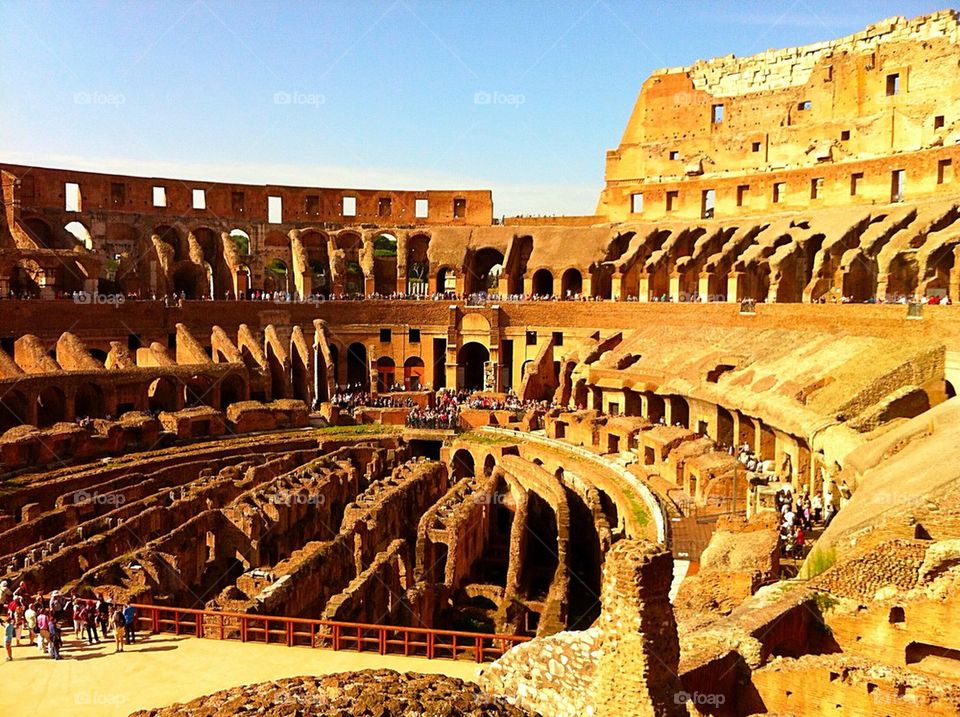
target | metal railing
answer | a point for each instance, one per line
(293, 631)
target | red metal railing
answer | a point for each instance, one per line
(295, 631)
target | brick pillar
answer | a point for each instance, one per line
(644, 291)
(733, 286)
(637, 671)
(675, 287)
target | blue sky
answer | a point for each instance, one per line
(520, 97)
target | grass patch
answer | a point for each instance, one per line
(487, 439)
(819, 561)
(363, 429)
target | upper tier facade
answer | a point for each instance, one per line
(870, 118)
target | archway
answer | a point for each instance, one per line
(446, 281)
(275, 276)
(542, 284)
(471, 360)
(198, 391)
(81, 233)
(162, 395)
(571, 284)
(88, 401)
(484, 271)
(190, 281)
(231, 391)
(413, 373)
(418, 265)
(384, 264)
(358, 372)
(386, 369)
(462, 464)
(51, 406)
(13, 410)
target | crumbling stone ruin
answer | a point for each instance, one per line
(206, 407)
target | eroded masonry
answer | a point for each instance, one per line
(581, 434)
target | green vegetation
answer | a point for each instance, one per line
(384, 246)
(486, 439)
(241, 240)
(276, 266)
(818, 561)
(364, 429)
(825, 602)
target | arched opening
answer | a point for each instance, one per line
(542, 549)
(384, 264)
(418, 265)
(585, 561)
(358, 371)
(413, 373)
(318, 261)
(446, 281)
(484, 272)
(489, 463)
(471, 359)
(232, 390)
(13, 410)
(51, 406)
(171, 235)
(462, 464)
(949, 389)
(241, 240)
(198, 391)
(88, 401)
(300, 375)
(542, 284)
(41, 233)
(276, 276)
(350, 244)
(162, 395)
(724, 428)
(190, 281)
(571, 284)
(243, 281)
(680, 411)
(278, 374)
(26, 278)
(386, 369)
(81, 233)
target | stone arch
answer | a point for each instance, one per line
(276, 276)
(542, 283)
(386, 373)
(414, 371)
(446, 280)
(13, 410)
(315, 245)
(172, 235)
(190, 280)
(418, 265)
(162, 394)
(198, 391)
(89, 401)
(233, 389)
(358, 371)
(484, 271)
(51, 406)
(489, 464)
(462, 464)
(41, 232)
(82, 234)
(385, 263)
(471, 359)
(571, 283)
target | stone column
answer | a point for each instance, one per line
(637, 671)
(733, 286)
(644, 291)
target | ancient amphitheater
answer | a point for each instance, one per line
(544, 456)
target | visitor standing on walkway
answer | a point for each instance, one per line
(130, 618)
(119, 628)
(8, 630)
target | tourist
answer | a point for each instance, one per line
(129, 620)
(119, 625)
(90, 623)
(55, 640)
(8, 630)
(103, 615)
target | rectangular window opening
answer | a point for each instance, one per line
(755, 147)
(674, 154)
(118, 193)
(558, 338)
(816, 187)
(421, 208)
(384, 206)
(349, 208)
(199, 199)
(707, 203)
(459, 208)
(673, 197)
(385, 335)
(779, 191)
(274, 210)
(71, 195)
(311, 205)
(716, 114)
(159, 196)
(938, 121)
(414, 336)
(844, 135)
(636, 203)
(531, 338)
(742, 192)
(896, 185)
(805, 106)
(236, 202)
(944, 171)
(893, 84)
(855, 179)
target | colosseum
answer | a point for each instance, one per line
(696, 453)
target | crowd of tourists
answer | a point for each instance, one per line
(445, 413)
(31, 619)
(353, 396)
